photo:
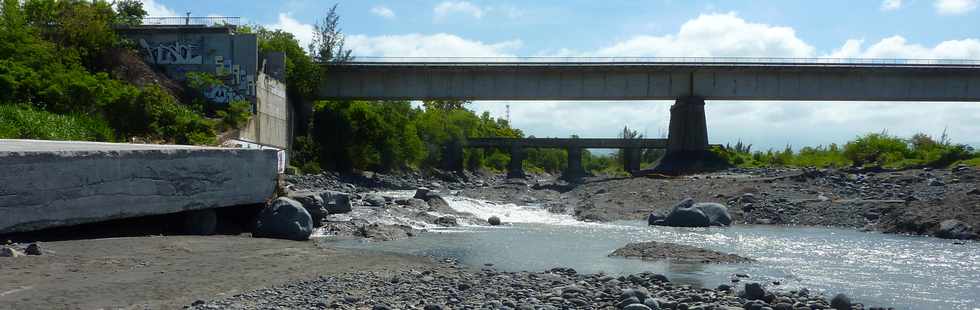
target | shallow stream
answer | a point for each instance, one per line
(873, 268)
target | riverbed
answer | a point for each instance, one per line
(875, 269)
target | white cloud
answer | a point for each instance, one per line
(448, 8)
(435, 45)
(383, 11)
(899, 47)
(715, 35)
(154, 9)
(302, 32)
(955, 7)
(891, 5)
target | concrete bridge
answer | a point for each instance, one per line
(574, 146)
(688, 81)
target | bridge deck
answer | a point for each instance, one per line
(722, 79)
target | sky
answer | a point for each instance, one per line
(947, 29)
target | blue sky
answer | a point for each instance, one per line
(829, 28)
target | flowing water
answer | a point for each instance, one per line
(872, 268)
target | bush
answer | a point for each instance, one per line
(25, 122)
(236, 115)
(876, 149)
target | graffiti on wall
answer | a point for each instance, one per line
(172, 53)
(222, 94)
(238, 85)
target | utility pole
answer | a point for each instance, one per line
(508, 114)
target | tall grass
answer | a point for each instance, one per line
(874, 149)
(24, 122)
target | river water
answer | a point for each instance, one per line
(873, 268)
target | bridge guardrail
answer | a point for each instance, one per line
(361, 60)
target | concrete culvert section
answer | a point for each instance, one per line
(49, 184)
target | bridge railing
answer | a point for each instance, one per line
(191, 20)
(667, 60)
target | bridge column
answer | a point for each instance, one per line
(574, 170)
(631, 160)
(452, 156)
(687, 140)
(515, 169)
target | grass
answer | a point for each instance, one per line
(25, 122)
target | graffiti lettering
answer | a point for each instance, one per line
(176, 52)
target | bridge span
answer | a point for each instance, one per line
(573, 146)
(688, 81)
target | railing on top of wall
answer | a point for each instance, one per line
(192, 20)
(665, 60)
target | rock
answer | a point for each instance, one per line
(651, 303)
(754, 291)
(654, 218)
(312, 202)
(975, 192)
(724, 287)
(936, 182)
(747, 198)
(437, 203)
(381, 232)
(717, 214)
(374, 200)
(494, 220)
(446, 221)
(201, 222)
(636, 307)
(627, 301)
(684, 214)
(422, 193)
(336, 202)
(284, 218)
(841, 302)
(9, 252)
(955, 229)
(640, 293)
(33, 249)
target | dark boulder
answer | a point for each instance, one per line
(336, 202)
(493, 220)
(841, 302)
(754, 291)
(284, 218)
(654, 219)
(446, 221)
(33, 249)
(955, 229)
(684, 214)
(374, 200)
(717, 213)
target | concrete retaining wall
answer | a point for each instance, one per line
(53, 183)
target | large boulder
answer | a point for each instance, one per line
(955, 229)
(374, 200)
(717, 213)
(312, 202)
(684, 214)
(336, 202)
(284, 218)
(493, 220)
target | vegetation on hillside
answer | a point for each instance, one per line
(874, 149)
(52, 66)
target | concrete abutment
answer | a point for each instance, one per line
(687, 140)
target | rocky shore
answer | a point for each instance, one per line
(943, 203)
(452, 286)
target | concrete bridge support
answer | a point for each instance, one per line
(574, 170)
(631, 160)
(687, 140)
(452, 156)
(515, 169)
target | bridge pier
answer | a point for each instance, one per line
(573, 171)
(687, 140)
(515, 169)
(631, 160)
(452, 156)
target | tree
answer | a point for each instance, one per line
(328, 40)
(129, 12)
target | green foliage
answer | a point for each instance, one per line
(875, 149)
(129, 12)
(236, 115)
(25, 122)
(48, 63)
